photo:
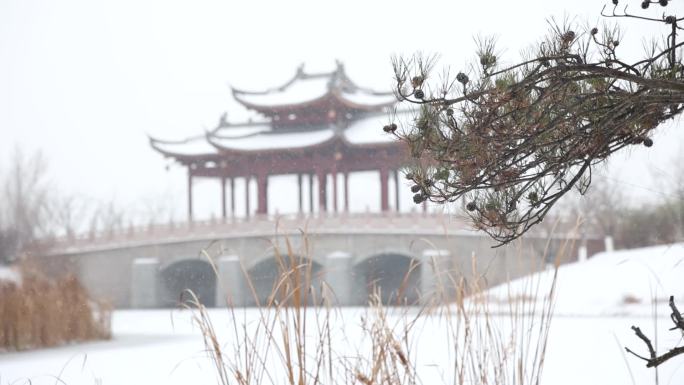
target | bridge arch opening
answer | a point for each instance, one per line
(188, 275)
(395, 277)
(274, 279)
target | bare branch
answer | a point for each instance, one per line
(654, 360)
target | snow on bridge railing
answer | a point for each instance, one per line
(418, 222)
(431, 223)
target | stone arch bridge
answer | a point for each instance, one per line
(404, 255)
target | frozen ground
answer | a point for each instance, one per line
(586, 343)
(620, 283)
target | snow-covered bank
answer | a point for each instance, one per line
(153, 347)
(163, 346)
(628, 282)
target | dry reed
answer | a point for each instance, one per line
(295, 343)
(38, 312)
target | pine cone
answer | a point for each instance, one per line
(462, 78)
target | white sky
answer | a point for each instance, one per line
(84, 81)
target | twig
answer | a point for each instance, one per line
(654, 359)
(676, 316)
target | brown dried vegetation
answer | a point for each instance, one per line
(295, 343)
(39, 312)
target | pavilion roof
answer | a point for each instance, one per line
(257, 137)
(274, 140)
(305, 89)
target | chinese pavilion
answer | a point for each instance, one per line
(316, 124)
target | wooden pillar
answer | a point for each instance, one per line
(299, 194)
(322, 192)
(334, 178)
(232, 197)
(346, 192)
(396, 190)
(384, 199)
(247, 178)
(311, 194)
(224, 213)
(262, 192)
(189, 195)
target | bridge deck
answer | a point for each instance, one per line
(416, 223)
(344, 223)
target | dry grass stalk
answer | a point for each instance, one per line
(296, 343)
(39, 312)
(278, 345)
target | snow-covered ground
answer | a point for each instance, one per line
(586, 343)
(621, 283)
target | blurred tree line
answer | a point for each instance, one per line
(609, 212)
(33, 208)
(24, 209)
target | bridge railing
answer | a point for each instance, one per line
(269, 225)
(262, 225)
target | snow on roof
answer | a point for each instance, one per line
(275, 140)
(301, 91)
(366, 130)
(197, 145)
(238, 131)
(311, 89)
(261, 136)
(304, 88)
(368, 98)
(363, 131)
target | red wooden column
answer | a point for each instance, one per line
(189, 195)
(384, 190)
(346, 192)
(262, 191)
(224, 213)
(247, 178)
(322, 192)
